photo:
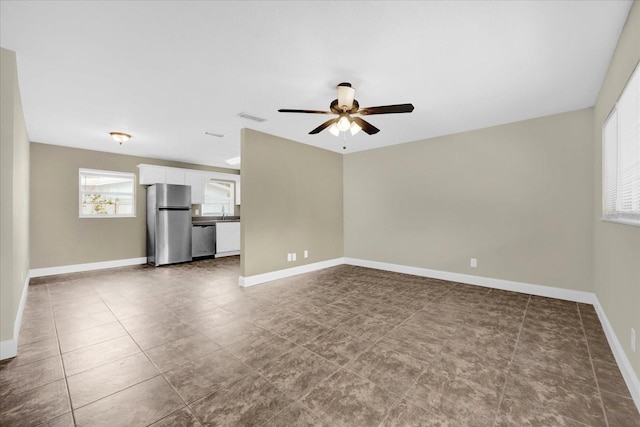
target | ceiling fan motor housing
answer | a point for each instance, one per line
(334, 107)
(346, 95)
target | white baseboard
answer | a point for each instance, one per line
(230, 253)
(9, 348)
(50, 271)
(488, 282)
(630, 377)
(288, 272)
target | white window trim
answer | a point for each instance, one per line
(232, 198)
(616, 217)
(129, 175)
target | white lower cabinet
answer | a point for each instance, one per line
(227, 238)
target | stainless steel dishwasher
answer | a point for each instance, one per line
(203, 241)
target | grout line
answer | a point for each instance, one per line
(339, 367)
(426, 364)
(593, 368)
(160, 373)
(141, 351)
(64, 368)
(511, 360)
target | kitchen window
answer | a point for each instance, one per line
(106, 194)
(218, 198)
(621, 157)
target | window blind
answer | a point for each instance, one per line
(621, 137)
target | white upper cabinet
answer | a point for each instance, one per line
(196, 181)
(153, 174)
(175, 177)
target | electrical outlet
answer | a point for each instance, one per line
(473, 263)
(633, 340)
(294, 256)
(289, 256)
(306, 253)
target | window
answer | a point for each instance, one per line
(621, 157)
(218, 198)
(105, 194)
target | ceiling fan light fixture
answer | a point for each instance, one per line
(120, 137)
(333, 129)
(354, 128)
(343, 124)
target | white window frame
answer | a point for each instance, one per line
(613, 143)
(81, 193)
(232, 197)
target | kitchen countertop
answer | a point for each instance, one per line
(212, 220)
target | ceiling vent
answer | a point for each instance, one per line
(217, 135)
(250, 117)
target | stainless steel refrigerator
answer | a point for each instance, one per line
(168, 224)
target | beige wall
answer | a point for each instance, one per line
(617, 246)
(58, 236)
(291, 201)
(14, 199)
(517, 197)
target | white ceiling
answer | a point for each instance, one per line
(167, 71)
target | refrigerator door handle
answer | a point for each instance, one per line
(173, 208)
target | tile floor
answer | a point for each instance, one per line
(346, 346)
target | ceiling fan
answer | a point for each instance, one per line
(345, 106)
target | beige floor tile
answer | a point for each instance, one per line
(17, 379)
(181, 418)
(250, 400)
(356, 346)
(297, 371)
(98, 354)
(96, 383)
(196, 379)
(181, 351)
(350, 400)
(35, 406)
(75, 340)
(139, 405)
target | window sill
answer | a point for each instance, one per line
(622, 221)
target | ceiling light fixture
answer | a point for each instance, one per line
(120, 137)
(234, 161)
